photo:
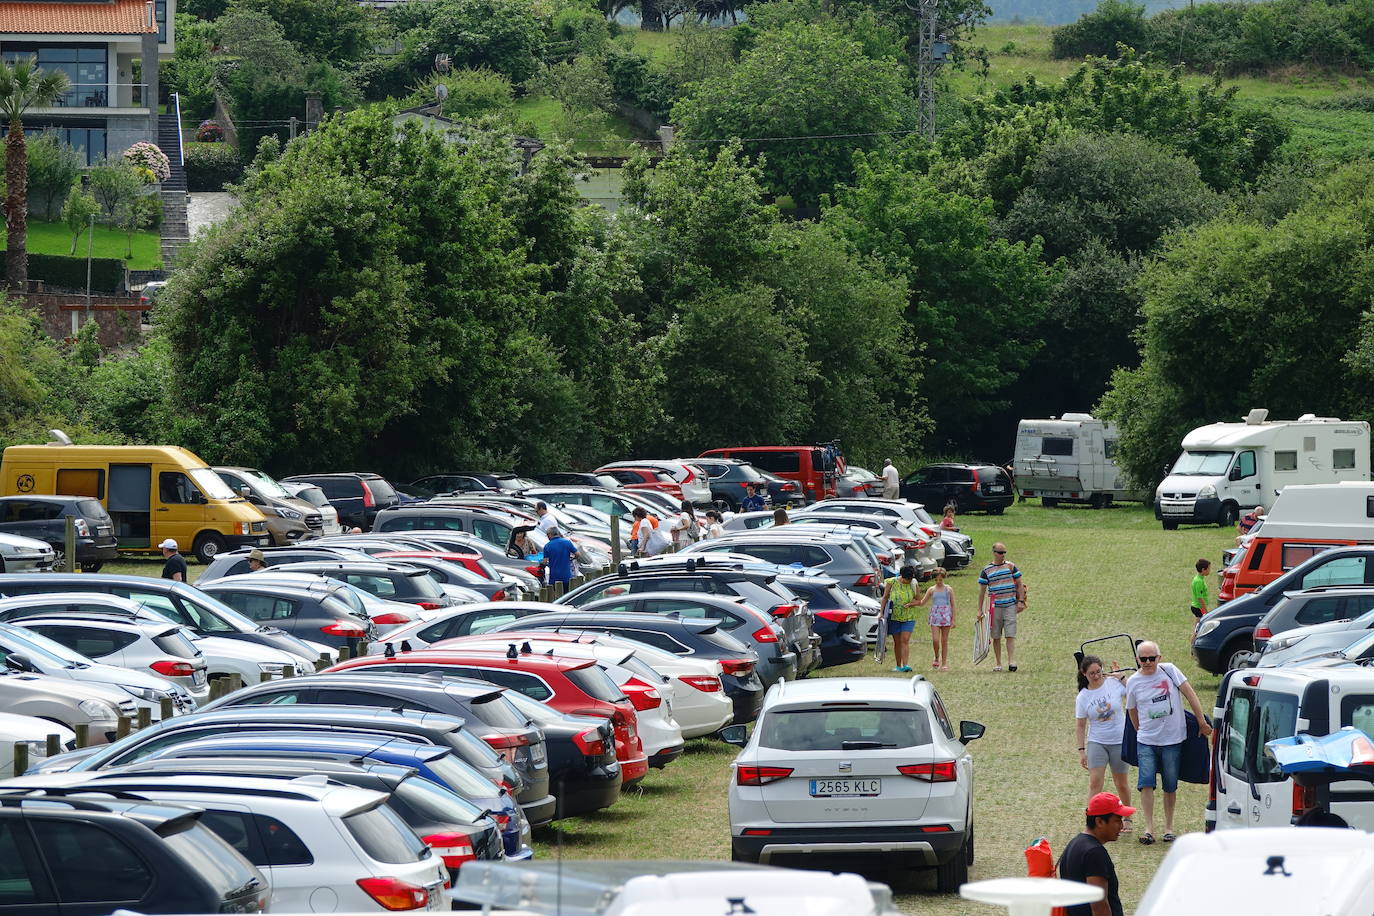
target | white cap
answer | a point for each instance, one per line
(168, 544)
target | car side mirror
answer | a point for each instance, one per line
(245, 492)
(738, 735)
(970, 731)
(16, 662)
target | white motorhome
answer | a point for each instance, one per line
(1228, 467)
(1070, 459)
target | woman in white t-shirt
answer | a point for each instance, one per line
(1101, 713)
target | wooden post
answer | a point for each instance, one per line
(615, 541)
(21, 757)
(145, 717)
(344, 653)
(362, 649)
(322, 662)
(69, 545)
(167, 708)
(54, 745)
(264, 677)
(289, 672)
(235, 682)
(122, 727)
(83, 734)
(545, 594)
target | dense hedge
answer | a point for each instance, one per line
(209, 166)
(107, 274)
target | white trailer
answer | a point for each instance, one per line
(1070, 459)
(1228, 467)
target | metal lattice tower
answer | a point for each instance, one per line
(927, 67)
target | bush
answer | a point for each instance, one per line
(1098, 33)
(471, 92)
(210, 166)
(107, 274)
(150, 160)
(209, 132)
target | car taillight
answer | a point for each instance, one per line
(788, 487)
(760, 776)
(168, 668)
(905, 543)
(344, 628)
(499, 596)
(866, 580)
(424, 605)
(1264, 633)
(393, 617)
(736, 666)
(973, 486)
(642, 696)
(1304, 797)
(765, 634)
(707, 683)
(368, 501)
(453, 848)
(82, 529)
(942, 771)
(395, 894)
(839, 615)
(785, 610)
(590, 743)
(503, 742)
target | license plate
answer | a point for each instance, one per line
(538, 755)
(436, 899)
(198, 678)
(997, 489)
(845, 788)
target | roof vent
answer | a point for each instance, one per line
(1077, 417)
(59, 437)
(1257, 417)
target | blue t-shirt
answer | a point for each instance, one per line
(751, 504)
(559, 553)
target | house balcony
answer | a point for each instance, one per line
(95, 100)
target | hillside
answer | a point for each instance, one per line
(1057, 12)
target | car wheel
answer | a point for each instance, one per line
(208, 546)
(1049, 502)
(952, 874)
(996, 510)
(59, 559)
(1170, 526)
(726, 504)
(92, 567)
(1100, 501)
(1236, 651)
(1228, 515)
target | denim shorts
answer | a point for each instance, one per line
(901, 626)
(1161, 759)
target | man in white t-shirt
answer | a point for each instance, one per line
(548, 518)
(1154, 701)
(891, 480)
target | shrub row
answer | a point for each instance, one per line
(210, 166)
(107, 274)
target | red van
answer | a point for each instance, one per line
(813, 467)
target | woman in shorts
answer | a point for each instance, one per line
(1101, 713)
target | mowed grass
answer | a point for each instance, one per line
(612, 137)
(54, 238)
(1088, 574)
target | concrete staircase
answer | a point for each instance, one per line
(175, 231)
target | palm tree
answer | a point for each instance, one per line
(22, 86)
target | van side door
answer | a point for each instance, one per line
(1354, 800)
(1245, 481)
(1251, 792)
(178, 507)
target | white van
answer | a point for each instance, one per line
(1227, 467)
(1257, 705)
(1071, 459)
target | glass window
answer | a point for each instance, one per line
(528, 684)
(1109, 447)
(1202, 464)
(648, 637)
(1343, 459)
(339, 697)
(16, 884)
(1320, 610)
(1341, 571)
(777, 462)
(596, 683)
(1277, 717)
(90, 865)
(260, 839)
(176, 643)
(941, 716)
(1286, 461)
(82, 482)
(1358, 711)
(204, 852)
(481, 623)
(385, 837)
(88, 641)
(491, 532)
(1056, 445)
(1246, 463)
(833, 729)
(1237, 726)
(259, 607)
(381, 586)
(175, 488)
(420, 801)
(1294, 554)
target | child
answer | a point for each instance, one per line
(947, 522)
(941, 599)
(1200, 587)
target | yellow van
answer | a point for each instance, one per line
(153, 492)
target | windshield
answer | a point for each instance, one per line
(210, 484)
(1202, 464)
(39, 648)
(311, 494)
(206, 613)
(267, 485)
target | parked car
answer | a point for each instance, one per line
(967, 487)
(1329, 606)
(392, 581)
(576, 479)
(44, 518)
(583, 767)
(469, 482)
(26, 650)
(1224, 637)
(831, 551)
(94, 856)
(288, 518)
(64, 702)
(958, 546)
(692, 480)
(33, 733)
(487, 713)
(303, 836)
(644, 478)
(446, 572)
(316, 608)
(312, 495)
(25, 555)
(457, 830)
(857, 482)
(356, 497)
(856, 767)
(235, 562)
(730, 480)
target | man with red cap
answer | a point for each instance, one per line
(1086, 859)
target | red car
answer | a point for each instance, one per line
(645, 479)
(470, 561)
(570, 685)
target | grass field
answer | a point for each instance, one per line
(54, 238)
(542, 114)
(1088, 574)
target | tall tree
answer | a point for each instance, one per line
(22, 86)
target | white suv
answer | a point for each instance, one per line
(842, 769)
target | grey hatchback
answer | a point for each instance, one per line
(318, 611)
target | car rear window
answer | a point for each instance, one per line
(422, 586)
(228, 873)
(462, 777)
(385, 837)
(381, 490)
(993, 475)
(596, 683)
(313, 495)
(726, 642)
(499, 713)
(93, 510)
(174, 642)
(838, 729)
(785, 462)
(420, 802)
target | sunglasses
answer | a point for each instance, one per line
(1148, 658)
(999, 551)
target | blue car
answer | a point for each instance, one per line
(437, 764)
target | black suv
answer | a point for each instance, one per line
(357, 497)
(730, 479)
(88, 857)
(966, 487)
(44, 518)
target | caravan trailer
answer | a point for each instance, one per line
(1071, 459)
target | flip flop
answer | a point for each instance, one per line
(1011, 667)
(1169, 837)
(1126, 825)
(1146, 839)
(998, 668)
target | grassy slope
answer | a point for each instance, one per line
(53, 238)
(1089, 574)
(541, 113)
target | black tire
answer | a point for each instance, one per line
(1170, 526)
(952, 874)
(1049, 502)
(208, 546)
(1228, 515)
(968, 846)
(725, 504)
(1100, 500)
(1237, 648)
(996, 510)
(92, 566)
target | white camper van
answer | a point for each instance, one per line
(1228, 467)
(1071, 459)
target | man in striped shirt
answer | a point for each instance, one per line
(1002, 582)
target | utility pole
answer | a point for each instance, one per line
(927, 67)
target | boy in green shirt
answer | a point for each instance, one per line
(1200, 587)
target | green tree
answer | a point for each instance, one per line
(1113, 22)
(337, 31)
(53, 166)
(470, 93)
(78, 213)
(22, 86)
(805, 98)
(505, 35)
(115, 185)
(582, 90)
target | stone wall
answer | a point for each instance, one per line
(120, 318)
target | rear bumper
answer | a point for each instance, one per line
(590, 792)
(235, 541)
(746, 701)
(540, 811)
(829, 845)
(633, 770)
(847, 648)
(664, 757)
